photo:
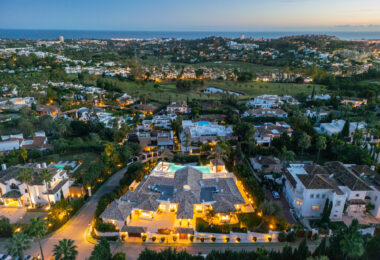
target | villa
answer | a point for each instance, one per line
(336, 126)
(175, 108)
(16, 142)
(267, 132)
(308, 186)
(265, 112)
(14, 193)
(205, 131)
(173, 196)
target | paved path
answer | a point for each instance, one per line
(77, 226)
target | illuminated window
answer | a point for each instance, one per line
(198, 208)
(315, 208)
(162, 207)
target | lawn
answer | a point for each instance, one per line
(249, 90)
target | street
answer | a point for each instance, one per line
(77, 226)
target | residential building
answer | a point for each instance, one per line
(186, 191)
(48, 110)
(175, 108)
(336, 126)
(316, 114)
(14, 193)
(205, 131)
(271, 101)
(349, 187)
(15, 142)
(265, 112)
(154, 140)
(267, 132)
(355, 102)
(266, 164)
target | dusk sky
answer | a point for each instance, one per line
(201, 15)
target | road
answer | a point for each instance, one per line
(77, 226)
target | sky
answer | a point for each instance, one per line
(191, 15)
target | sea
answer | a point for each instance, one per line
(105, 35)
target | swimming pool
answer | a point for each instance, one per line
(201, 123)
(174, 167)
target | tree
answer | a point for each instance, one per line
(18, 244)
(6, 229)
(302, 252)
(24, 154)
(320, 144)
(304, 142)
(286, 155)
(352, 242)
(36, 229)
(102, 251)
(46, 176)
(244, 131)
(326, 211)
(119, 256)
(166, 155)
(25, 175)
(218, 153)
(346, 129)
(65, 250)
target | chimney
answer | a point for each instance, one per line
(3, 167)
(38, 165)
(44, 165)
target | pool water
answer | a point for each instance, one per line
(201, 123)
(202, 169)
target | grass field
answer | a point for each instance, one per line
(249, 90)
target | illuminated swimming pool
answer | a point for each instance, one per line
(201, 123)
(174, 167)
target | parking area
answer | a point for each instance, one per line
(285, 205)
(13, 214)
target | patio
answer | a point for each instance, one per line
(160, 221)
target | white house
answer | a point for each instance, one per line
(336, 126)
(308, 186)
(14, 193)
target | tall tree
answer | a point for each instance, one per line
(218, 153)
(102, 251)
(25, 175)
(65, 250)
(18, 244)
(166, 155)
(37, 229)
(304, 142)
(46, 176)
(320, 144)
(352, 243)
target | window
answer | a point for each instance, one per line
(375, 198)
(316, 208)
(357, 195)
(26, 190)
(323, 196)
(337, 203)
(311, 196)
(317, 196)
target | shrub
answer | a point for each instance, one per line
(174, 238)
(202, 239)
(291, 237)
(192, 238)
(154, 239)
(270, 239)
(105, 227)
(162, 239)
(213, 239)
(119, 256)
(314, 236)
(143, 238)
(282, 237)
(238, 239)
(227, 239)
(254, 239)
(6, 229)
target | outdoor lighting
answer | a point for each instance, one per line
(17, 229)
(270, 226)
(260, 214)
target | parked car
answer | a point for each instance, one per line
(275, 195)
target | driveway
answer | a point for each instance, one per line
(285, 205)
(13, 214)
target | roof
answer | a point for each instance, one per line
(117, 210)
(186, 188)
(346, 177)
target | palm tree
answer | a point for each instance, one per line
(18, 244)
(25, 175)
(36, 229)
(218, 153)
(165, 155)
(320, 144)
(65, 250)
(46, 176)
(304, 142)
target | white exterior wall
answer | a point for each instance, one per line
(338, 206)
(375, 200)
